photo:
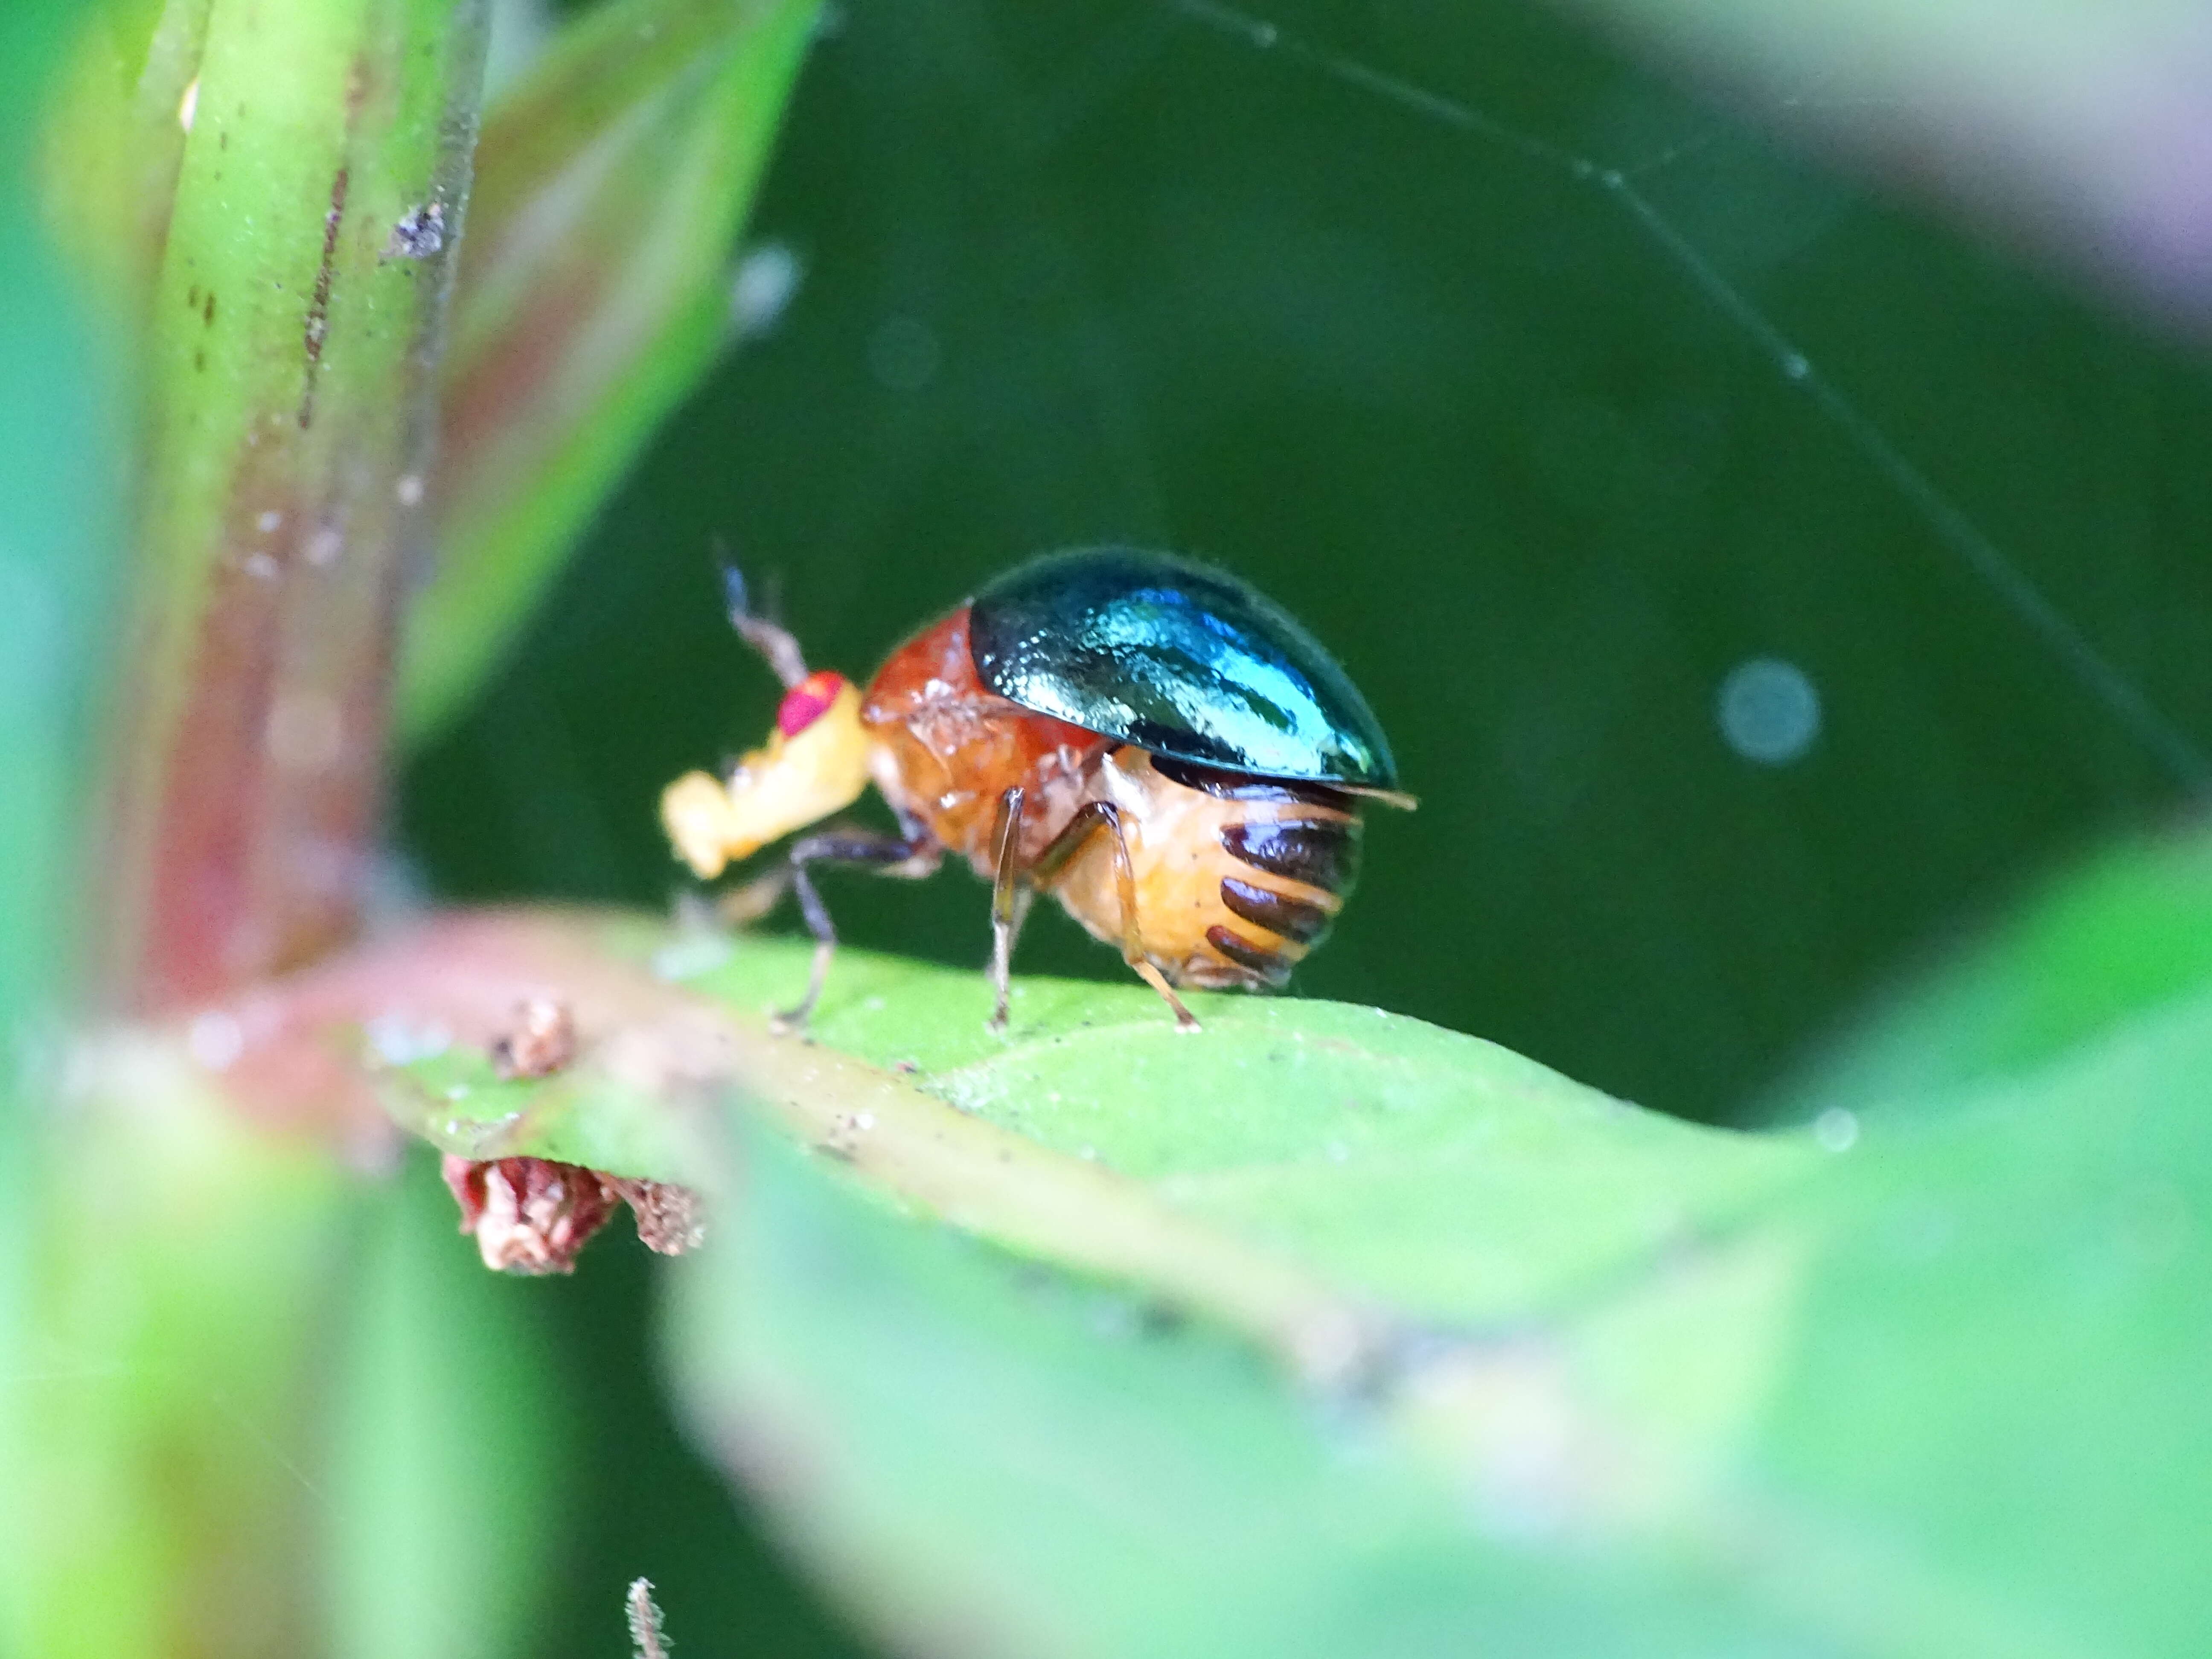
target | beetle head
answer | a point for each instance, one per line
(815, 761)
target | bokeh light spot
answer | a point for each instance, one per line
(766, 281)
(1769, 711)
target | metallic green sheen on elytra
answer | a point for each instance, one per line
(1186, 662)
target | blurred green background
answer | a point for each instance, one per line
(1112, 270)
(1108, 270)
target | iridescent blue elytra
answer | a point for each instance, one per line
(1186, 662)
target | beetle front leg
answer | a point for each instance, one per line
(1009, 902)
(910, 858)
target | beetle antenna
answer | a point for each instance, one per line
(736, 598)
(776, 644)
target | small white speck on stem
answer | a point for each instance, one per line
(305, 732)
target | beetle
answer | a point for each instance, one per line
(1152, 741)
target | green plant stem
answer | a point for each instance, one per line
(290, 360)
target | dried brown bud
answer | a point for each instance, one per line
(668, 1219)
(541, 1042)
(529, 1216)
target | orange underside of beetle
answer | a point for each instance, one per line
(945, 751)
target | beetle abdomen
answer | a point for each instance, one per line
(1295, 848)
(1206, 914)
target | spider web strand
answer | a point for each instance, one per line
(1973, 547)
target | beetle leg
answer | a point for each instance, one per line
(1094, 816)
(1011, 895)
(910, 858)
(1007, 909)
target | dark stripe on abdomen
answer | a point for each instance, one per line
(1264, 965)
(1322, 852)
(1293, 918)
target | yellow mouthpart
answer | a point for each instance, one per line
(792, 782)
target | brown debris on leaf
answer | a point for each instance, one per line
(530, 1215)
(668, 1219)
(541, 1042)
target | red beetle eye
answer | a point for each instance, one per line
(807, 702)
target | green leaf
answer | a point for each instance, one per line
(156, 1412)
(447, 1446)
(2126, 933)
(253, 1402)
(1324, 1331)
(1933, 1394)
(1347, 1172)
(58, 442)
(595, 298)
(57, 446)
(115, 140)
(1387, 1152)
(986, 1460)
